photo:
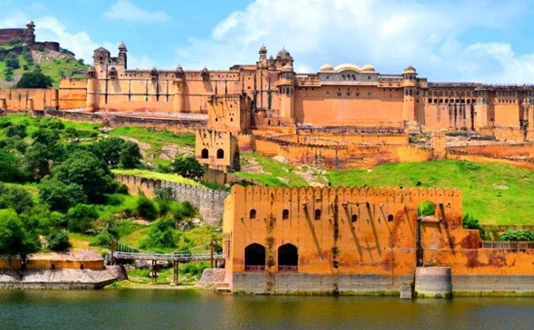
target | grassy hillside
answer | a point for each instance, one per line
(493, 193)
(272, 173)
(55, 65)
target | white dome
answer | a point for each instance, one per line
(326, 67)
(368, 67)
(347, 66)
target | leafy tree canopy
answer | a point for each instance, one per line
(34, 79)
(61, 196)
(15, 239)
(14, 197)
(188, 167)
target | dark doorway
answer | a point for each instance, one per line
(288, 258)
(220, 154)
(255, 257)
(205, 154)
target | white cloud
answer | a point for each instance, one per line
(49, 28)
(143, 62)
(128, 11)
(386, 33)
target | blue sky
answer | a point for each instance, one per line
(486, 41)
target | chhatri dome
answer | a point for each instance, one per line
(326, 67)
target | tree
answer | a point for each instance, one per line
(130, 155)
(15, 240)
(61, 196)
(81, 216)
(39, 157)
(85, 169)
(16, 198)
(58, 240)
(12, 61)
(34, 79)
(16, 130)
(146, 208)
(188, 167)
(10, 166)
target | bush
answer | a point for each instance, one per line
(51, 123)
(426, 209)
(10, 166)
(161, 235)
(45, 220)
(130, 155)
(117, 187)
(103, 239)
(81, 216)
(471, 223)
(12, 61)
(184, 210)
(517, 235)
(58, 240)
(146, 208)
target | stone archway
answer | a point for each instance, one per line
(255, 257)
(288, 258)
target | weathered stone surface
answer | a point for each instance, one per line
(59, 278)
(433, 282)
(211, 276)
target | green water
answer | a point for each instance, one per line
(158, 309)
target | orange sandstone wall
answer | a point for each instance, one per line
(19, 99)
(354, 106)
(359, 231)
(72, 93)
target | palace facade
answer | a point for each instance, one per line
(343, 95)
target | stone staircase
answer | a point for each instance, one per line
(223, 287)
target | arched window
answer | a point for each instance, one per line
(317, 214)
(220, 154)
(288, 258)
(354, 218)
(252, 214)
(255, 257)
(390, 218)
(285, 214)
(205, 154)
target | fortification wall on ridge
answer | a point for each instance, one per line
(209, 202)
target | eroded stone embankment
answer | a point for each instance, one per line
(60, 278)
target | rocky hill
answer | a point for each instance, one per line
(16, 59)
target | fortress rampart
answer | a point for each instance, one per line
(324, 240)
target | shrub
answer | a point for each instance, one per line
(471, 223)
(426, 208)
(103, 239)
(184, 210)
(517, 235)
(58, 240)
(161, 235)
(146, 208)
(81, 216)
(117, 187)
(34, 79)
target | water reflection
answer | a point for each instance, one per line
(157, 309)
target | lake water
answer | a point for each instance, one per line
(180, 309)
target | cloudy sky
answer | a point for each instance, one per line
(475, 40)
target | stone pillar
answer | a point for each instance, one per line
(92, 96)
(286, 102)
(433, 282)
(439, 145)
(179, 96)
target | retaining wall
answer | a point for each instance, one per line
(209, 202)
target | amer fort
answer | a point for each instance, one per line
(324, 240)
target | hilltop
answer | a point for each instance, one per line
(15, 59)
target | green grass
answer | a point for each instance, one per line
(157, 138)
(496, 194)
(157, 176)
(275, 173)
(107, 211)
(57, 69)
